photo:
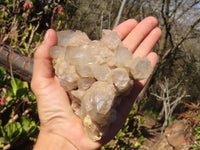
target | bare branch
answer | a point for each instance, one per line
(119, 13)
(159, 97)
(101, 26)
(170, 101)
(187, 9)
(181, 40)
(22, 66)
(176, 7)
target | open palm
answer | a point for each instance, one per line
(56, 116)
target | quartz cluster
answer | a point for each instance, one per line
(96, 74)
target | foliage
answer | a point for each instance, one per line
(130, 135)
(178, 45)
(18, 111)
(197, 136)
(23, 23)
(192, 117)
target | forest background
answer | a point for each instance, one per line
(171, 94)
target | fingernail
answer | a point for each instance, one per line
(46, 35)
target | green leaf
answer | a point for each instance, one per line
(21, 93)
(30, 27)
(19, 88)
(14, 86)
(21, 84)
(2, 132)
(28, 126)
(119, 135)
(2, 73)
(13, 130)
(5, 15)
(141, 120)
(137, 144)
(37, 37)
(106, 146)
(22, 88)
(32, 99)
(3, 140)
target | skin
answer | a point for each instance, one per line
(60, 128)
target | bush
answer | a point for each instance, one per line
(130, 135)
(23, 23)
(197, 136)
(18, 111)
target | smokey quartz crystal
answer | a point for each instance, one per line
(96, 74)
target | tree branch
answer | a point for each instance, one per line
(119, 13)
(22, 66)
(186, 35)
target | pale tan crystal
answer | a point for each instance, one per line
(140, 68)
(121, 79)
(85, 83)
(96, 74)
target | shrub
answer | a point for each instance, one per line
(18, 111)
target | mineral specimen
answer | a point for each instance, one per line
(96, 74)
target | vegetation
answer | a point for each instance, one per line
(173, 89)
(197, 135)
(130, 135)
(19, 123)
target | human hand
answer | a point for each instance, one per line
(60, 128)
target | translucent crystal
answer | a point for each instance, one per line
(96, 74)
(82, 55)
(122, 56)
(121, 79)
(85, 83)
(110, 39)
(101, 72)
(140, 68)
(84, 70)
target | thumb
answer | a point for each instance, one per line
(50, 38)
(42, 68)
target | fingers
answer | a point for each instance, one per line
(138, 86)
(127, 103)
(140, 38)
(148, 43)
(138, 34)
(124, 28)
(42, 59)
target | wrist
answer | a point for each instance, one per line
(51, 141)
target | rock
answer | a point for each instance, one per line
(174, 138)
(161, 144)
(176, 135)
(96, 74)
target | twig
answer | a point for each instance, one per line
(6, 147)
(31, 37)
(181, 40)
(109, 15)
(170, 102)
(14, 118)
(101, 25)
(119, 13)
